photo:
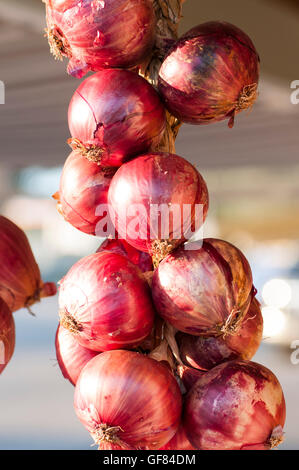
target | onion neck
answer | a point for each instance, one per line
(68, 322)
(59, 46)
(161, 248)
(93, 153)
(276, 437)
(105, 433)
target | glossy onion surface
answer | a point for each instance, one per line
(210, 74)
(71, 356)
(151, 181)
(94, 34)
(238, 405)
(83, 191)
(114, 115)
(128, 401)
(207, 352)
(203, 287)
(105, 302)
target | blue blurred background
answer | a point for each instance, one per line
(252, 173)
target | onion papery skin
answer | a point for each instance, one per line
(121, 247)
(152, 180)
(203, 288)
(7, 335)
(88, 33)
(83, 189)
(105, 302)
(115, 115)
(179, 441)
(237, 405)
(20, 279)
(135, 395)
(210, 74)
(205, 353)
(71, 356)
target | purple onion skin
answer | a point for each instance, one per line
(204, 353)
(84, 187)
(235, 406)
(119, 112)
(133, 392)
(204, 74)
(155, 179)
(97, 34)
(121, 247)
(108, 300)
(198, 286)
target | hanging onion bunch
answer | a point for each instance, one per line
(94, 34)
(20, 281)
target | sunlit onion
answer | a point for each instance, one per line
(210, 74)
(105, 302)
(143, 186)
(94, 34)
(238, 405)
(128, 401)
(115, 115)
(203, 288)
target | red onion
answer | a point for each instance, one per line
(83, 189)
(203, 288)
(151, 181)
(94, 34)
(207, 352)
(121, 247)
(128, 401)
(7, 335)
(236, 406)
(20, 281)
(188, 375)
(179, 441)
(210, 74)
(114, 115)
(105, 302)
(71, 356)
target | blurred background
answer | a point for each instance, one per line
(253, 176)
